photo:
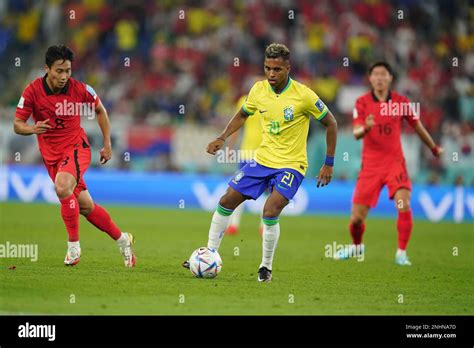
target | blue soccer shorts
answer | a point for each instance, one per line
(253, 179)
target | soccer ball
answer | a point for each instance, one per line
(205, 263)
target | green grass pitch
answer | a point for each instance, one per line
(305, 282)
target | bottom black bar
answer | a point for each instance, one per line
(291, 330)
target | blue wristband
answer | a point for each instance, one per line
(329, 161)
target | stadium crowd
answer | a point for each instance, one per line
(149, 59)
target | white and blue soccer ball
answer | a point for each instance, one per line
(205, 263)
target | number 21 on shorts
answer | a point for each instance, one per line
(288, 179)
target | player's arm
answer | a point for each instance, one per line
(234, 125)
(325, 173)
(104, 124)
(360, 131)
(233, 139)
(21, 127)
(427, 139)
(23, 112)
(362, 123)
(413, 119)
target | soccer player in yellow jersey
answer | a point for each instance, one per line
(251, 139)
(286, 107)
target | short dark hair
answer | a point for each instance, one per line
(59, 52)
(276, 50)
(383, 64)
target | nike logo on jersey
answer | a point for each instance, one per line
(262, 111)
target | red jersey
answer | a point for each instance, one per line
(382, 144)
(64, 111)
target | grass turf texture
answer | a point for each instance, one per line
(437, 283)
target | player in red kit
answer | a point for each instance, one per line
(56, 101)
(378, 117)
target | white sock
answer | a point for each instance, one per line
(123, 240)
(401, 253)
(270, 240)
(266, 195)
(73, 244)
(236, 216)
(219, 223)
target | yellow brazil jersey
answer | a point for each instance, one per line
(252, 133)
(285, 121)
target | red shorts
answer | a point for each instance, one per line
(370, 183)
(75, 161)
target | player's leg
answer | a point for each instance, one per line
(283, 186)
(220, 219)
(359, 213)
(399, 189)
(404, 224)
(234, 221)
(249, 182)
(260, 226)
(64, 185)
(97, 215)
(357, 222)
(271, 232)
(100, 218)
(366, 194)
(236, 216)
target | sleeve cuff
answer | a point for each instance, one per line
(22, 117)
(246, 111)
(323, 115)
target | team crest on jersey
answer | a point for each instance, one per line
(289, 113)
